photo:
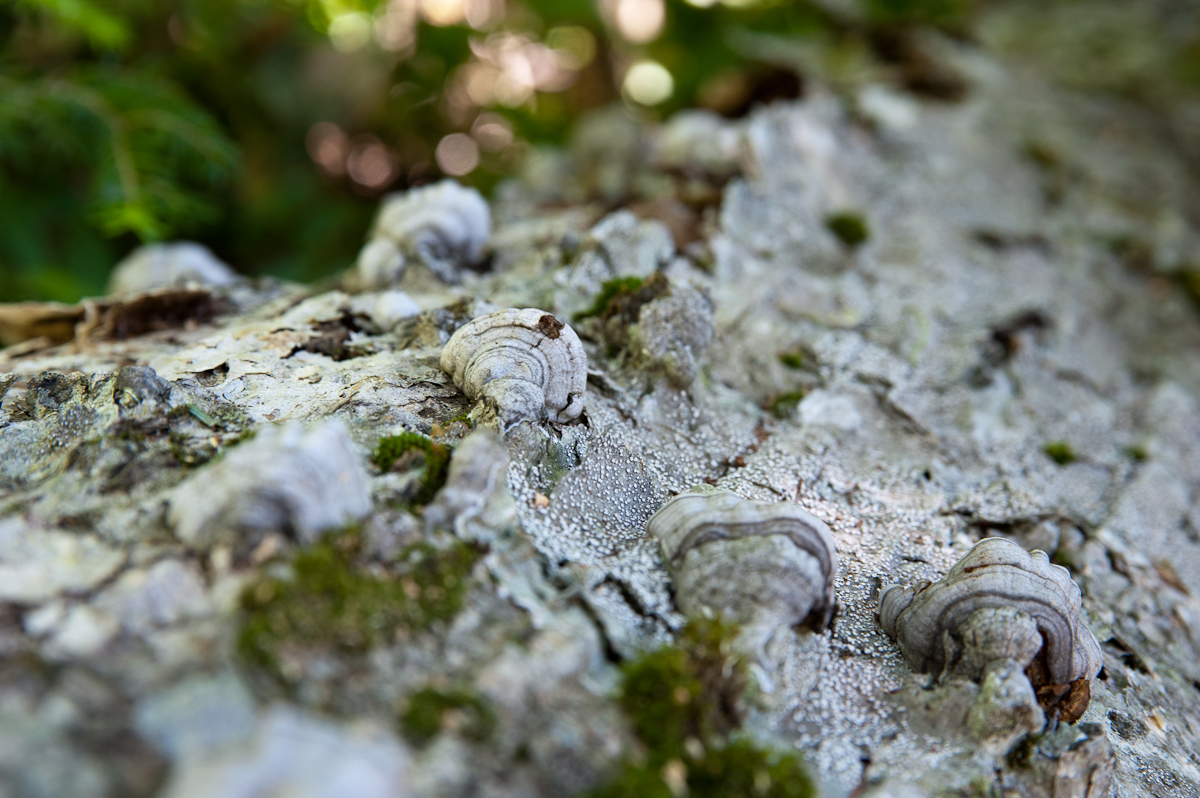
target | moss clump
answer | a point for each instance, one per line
(793, 360)
(609, 291)
(742, 768)
(1042, 154)
(188, 452)
(331, 602)
(850, 228)
(461, 418)
(1137, 453)
(1022, 754)
(1060, 452)
(216, 416)
(414, 450)
(1064, 558)
(430, 710)
(1135, 253)
(684, 702)
(1188, 277)
(782, 405)
(692, 690)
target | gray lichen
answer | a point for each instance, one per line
(673, 332)
(475, 501)
(287, 480)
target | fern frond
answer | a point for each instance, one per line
(154, 154)
(105, 31)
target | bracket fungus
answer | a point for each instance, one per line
(758, 564)
(445, 226)
(999, 606)
(162, 265)
(524, 364)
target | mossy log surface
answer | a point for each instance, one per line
(925, 322)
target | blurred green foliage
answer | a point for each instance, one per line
(126, 121)
(268, 129)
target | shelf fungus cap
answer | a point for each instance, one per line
(445, 226)
(751, 561)
(526, 364)
(161, 265)
(998, 604)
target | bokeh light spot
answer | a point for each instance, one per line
(457, 154)
(648, 83)
(396, 26)
(480, 80)
(573, 45)
(443, 12)
(483, 14)
(513, 87)
(351, 31)
(493, 132)
(369, 163)
(327, 145)
(640, 21)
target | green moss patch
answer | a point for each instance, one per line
(684, 702)
(850, 228)
(618, 306)
(413, 450)
(190, 452)
(793, 360)
(609, 291)
(461, 418)
(1137, 453)
(1060, 452)
(430, 710)
(1136, 254)
(1188, 277)
(332, 601)
(1043, 154)
(691, 690)
(782, 405)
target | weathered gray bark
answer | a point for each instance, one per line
(1004, 309)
